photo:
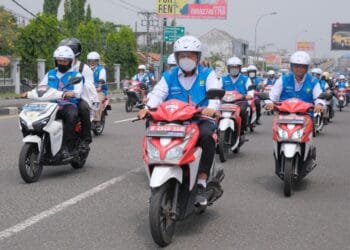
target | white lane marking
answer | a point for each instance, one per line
(58, 208)
(125, 120)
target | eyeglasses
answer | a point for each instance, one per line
(187, 54)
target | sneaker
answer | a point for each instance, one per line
(201, 197)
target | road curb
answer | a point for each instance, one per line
(9, 111)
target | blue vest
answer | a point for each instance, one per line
(145, 79)
(256, 81)
(197, 91)
(97, 71)
(323, 85)
(239, 85)
(54, 82)
(270, 81)
(305, 93)
(341, 85)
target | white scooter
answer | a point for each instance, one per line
(43, 134)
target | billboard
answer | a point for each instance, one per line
(306, 46)
(204, 9)
(273, 60)
(340, 36)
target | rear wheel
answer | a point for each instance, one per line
(224, 147)
(29, 168)
(80, 161)
(99, 126)
(161, 222)
(128, 105)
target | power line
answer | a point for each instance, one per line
(131, 5)
(22, 7)
(125, 7)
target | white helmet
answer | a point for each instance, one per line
(141, 66)
(171, 59)
(188, 43)
(300, 57)
(342, 77)
(234, 61)
(93, 55)
(244, 70)
(252, 68)
(317, 71)
(63, 52)
(271, 73)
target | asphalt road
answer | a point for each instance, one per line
(105, 204)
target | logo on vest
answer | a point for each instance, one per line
(308, 90)
(201, 82)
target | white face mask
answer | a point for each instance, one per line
(251, 74)
(187, 64)
(234, 72)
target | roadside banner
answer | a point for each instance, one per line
(203, 9)
(306, 46)
(340, 36)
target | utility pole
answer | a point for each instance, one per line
(150, 20)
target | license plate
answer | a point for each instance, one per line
(166, 131)
(291, 119)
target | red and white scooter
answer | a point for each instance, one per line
(292, 137)
(230, 123)
(172, 157)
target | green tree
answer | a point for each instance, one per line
(51, 7)
(8, 27)
(121, 48)
(39, 39)
(89, 35)
(74, 14)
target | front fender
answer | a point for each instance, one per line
(290, 149)
(161, 174)
(226, 123)
(33, 139)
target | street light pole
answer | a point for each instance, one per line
(256, 28)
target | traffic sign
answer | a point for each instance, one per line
(170, 32)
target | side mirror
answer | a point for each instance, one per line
(251, 87)
(264, 96)
(25, 82)
(75, 80)
(325, 96)
(215, 94)
(101, 81)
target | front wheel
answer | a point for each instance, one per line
(224, 147)
(288, 176)
(29, 168)
(161, 222)
(128, 105)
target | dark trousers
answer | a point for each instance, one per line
(84, 115)
(207, 143)
(258, 108)
(243, 114)
(69, 114)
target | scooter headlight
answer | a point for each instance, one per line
(298, 134)
(176, 152)
(282, 133)
(153, 152)
(38, 125)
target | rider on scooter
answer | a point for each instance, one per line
(317, 73)
(171, 62)
(89, 98)
(234, 80)
(257, 82)
(58, 78)
(297, 84)
(189, 81)
(343, 84)
(271, 78)
(100, 79)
